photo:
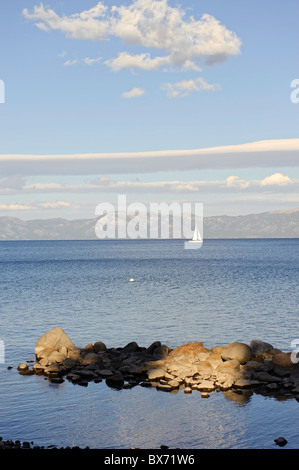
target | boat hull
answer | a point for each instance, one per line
(193, 244)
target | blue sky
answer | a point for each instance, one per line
(139, 78)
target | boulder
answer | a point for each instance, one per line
(90, 358)
(204, 368)
(99, 346)
(230, 367)
(282, 360)
(115, 381)
(259, 348)
(237, 351)
(44, 353)
(55, 338)
(56, 356)
(190, 350)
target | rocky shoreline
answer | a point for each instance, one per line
(191, 367)
(237, 368)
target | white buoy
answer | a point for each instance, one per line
(131, 280)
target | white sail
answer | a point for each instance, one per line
(196, 236)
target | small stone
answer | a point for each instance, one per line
(164, 387)
(155, 374)
(57, 380)
(22, 367)
(99, 346)
(242, 383)
(115, 381)
(105, 372)
(281, 441)
(188, 390)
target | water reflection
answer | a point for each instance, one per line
(239, 397)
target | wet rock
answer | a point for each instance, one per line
(164, 387)
(281, 441)
(115, 381)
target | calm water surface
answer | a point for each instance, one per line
(229, 290)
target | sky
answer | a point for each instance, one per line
(158, 100)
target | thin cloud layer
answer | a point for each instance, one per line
(153, 24)
(263, 154)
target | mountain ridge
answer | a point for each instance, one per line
(271, 224)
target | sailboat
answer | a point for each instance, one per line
(196, 241)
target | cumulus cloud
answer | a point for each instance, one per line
(232, 184)
(134, 93)
(277, 179)
(152, 24)
(90, 24)
(185, 87)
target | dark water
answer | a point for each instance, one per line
(229, 290)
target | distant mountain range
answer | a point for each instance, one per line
(275, 224)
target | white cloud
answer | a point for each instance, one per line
(134, 93)
(236, 182)
(69, 63)
(15, 207)
(89, 61)
(232, 184)
(276, 179)
(90, 24)
(185, 87)
(152, 24)
(85, 60)
(54, 205)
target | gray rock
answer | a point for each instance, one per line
(115, 381)
(281, 441)
(259, 348)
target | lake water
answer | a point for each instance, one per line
(229, 290)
